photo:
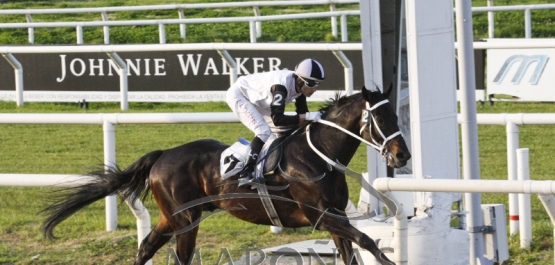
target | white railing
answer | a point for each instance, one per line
(222, 48)
(107, 121)
(110, 120)
(255, 22)
(511, 122)
(525, 8)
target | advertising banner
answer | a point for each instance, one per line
(159, 76)
(521, 74)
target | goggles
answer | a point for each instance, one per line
(310, 83)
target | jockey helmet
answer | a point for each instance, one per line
(310, 69)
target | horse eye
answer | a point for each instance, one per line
(379, 120)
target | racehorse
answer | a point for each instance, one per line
(315, 193)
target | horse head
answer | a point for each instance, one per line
(378, 126)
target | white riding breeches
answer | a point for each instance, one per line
(248, 113)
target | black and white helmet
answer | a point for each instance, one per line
(310, 69)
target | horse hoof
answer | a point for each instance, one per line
(384, 260)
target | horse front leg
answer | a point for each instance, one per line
(338, 225)
(345, 248)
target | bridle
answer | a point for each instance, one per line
(368, 120)
(366, 114)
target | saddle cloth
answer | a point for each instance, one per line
(233, 159)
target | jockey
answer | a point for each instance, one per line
(259, 101)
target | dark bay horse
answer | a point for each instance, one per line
(190, 173)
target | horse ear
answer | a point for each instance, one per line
(365, 93)
(388, 90)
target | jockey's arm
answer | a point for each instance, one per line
(302, 108)
(279, 94)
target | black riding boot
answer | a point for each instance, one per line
(247, 174)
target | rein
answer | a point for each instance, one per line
(365, 114)
(391, 205)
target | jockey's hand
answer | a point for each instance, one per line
(313, 116)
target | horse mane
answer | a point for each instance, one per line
(334, 105)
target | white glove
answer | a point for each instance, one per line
(313, 116)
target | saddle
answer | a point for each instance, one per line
(234, 158)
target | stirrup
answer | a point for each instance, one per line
(249, 180)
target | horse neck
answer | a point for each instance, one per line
(337, 144)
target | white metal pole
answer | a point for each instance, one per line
(182, 27)
(109, 163)
(344, 34)
(348, 69)
(548, 202)
(106, 29)
(31, 31)
(162, 33)
(143, 219)
(79, 30)
(461, 185)
(252, 31)
(471, 163)
(122, 79)
(491, 21)
(333, 22)
(524, 199)
(512, 146)
(18, 71)
(527, 23)
(231, 64)
(258, 23)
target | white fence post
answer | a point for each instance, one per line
(18, 70)
(512, 146)
(162, 33)
(31, 31)
(252, 31)
(491, 21)
(348, 70)
(333, 22)
(122, 79)
(548, 201)
(344, 33)
(79, 30)
(109, 164)
(106, 29)
(258, 23)
(231, 64)
(522, 155)
(527, 23)
(182, 27)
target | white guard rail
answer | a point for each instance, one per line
(255, 23)
(525, 8)
(222, 48)
(546, 187)
(107, 121)
(511, 122)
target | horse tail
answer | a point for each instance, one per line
(131, 183)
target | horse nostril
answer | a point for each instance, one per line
(402, 156)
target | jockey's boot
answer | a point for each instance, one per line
(247, 175)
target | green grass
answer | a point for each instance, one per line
(78, 148)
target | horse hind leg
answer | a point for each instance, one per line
(186, 246)
(338, 225)
(186, 226)
(153, 242)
